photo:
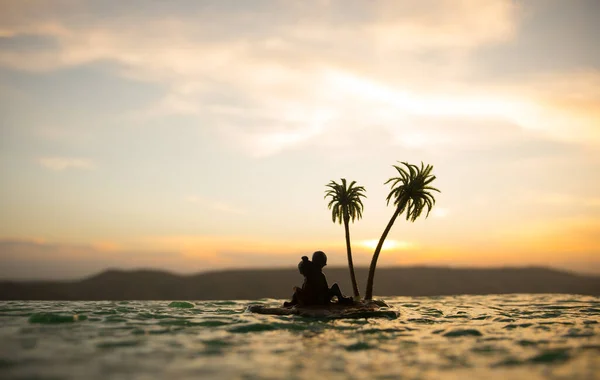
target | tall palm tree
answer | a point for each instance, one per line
(346, 205)
(411, 193)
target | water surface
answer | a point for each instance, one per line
(492, 337)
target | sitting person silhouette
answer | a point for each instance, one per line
(308, 294)
(315, 290)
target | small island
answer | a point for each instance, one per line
(411, 194)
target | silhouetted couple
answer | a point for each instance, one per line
(315, 290)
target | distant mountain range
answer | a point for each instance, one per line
(278, 283)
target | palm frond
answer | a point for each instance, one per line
(410, 191)
(345, 200)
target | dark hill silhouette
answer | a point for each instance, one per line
(278, 283)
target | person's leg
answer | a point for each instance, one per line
(337, 292)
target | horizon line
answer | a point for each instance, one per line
(279, 268)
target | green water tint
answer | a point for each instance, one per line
(462, 333)
(491, 337)
(254, 327)
(183, 305)
(360, 346)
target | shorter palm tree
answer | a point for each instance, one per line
(346, 205)
(411, 193)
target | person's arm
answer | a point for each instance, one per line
(304, 283)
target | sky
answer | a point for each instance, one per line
(199, 135)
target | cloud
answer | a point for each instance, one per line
(216, 205)
(435, 24)
(565, 200)
(64, 163)
(578, 236)
(271, 77)
(564, 105)
(279, 60)
(25, 259)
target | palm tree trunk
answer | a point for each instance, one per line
(371, 278)
(350, 264)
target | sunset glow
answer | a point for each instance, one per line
(387, 244)
(190, 137)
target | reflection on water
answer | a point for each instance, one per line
(509, 336)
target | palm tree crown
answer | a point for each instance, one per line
(345, 200)
(411, 190)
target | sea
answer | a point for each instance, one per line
(516, 336)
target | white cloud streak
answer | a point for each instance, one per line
(281, 74)
(64, 163)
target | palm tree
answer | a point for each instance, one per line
(411, 193)
(346, 205)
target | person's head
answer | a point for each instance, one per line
(303, 265)
(319, 258)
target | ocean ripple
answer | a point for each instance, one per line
(493, 337)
